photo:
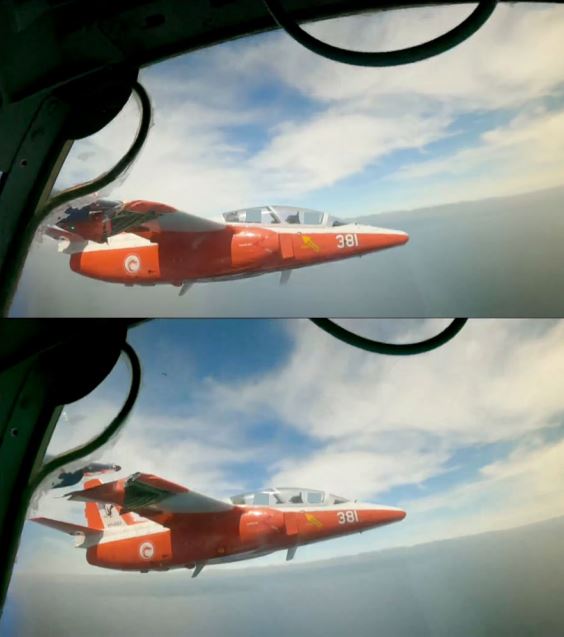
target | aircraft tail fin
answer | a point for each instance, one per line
(100, 515)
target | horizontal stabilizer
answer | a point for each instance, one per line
(66, 527)
(84, 536)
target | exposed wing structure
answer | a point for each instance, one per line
(103, 219)
(165, 217)
(59, 233)
(151, 496)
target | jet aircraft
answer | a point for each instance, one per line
(145, 523)
(147, 243)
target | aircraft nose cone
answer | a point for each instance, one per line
(392, 514)
(373, 238)
(377, 515)
(399, 515)
(397, 238)
(401, 238)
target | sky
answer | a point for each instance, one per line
(263, 120)
(466, 439)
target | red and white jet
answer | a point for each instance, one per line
(146, 243)
(144, 523)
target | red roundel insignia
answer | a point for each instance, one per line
(146, 550)
(132, 264)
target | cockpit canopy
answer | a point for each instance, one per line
(288, 496)
(285, 215)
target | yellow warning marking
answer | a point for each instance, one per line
(313, 520)
(310, 243)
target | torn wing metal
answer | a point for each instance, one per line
(149, 495)
(102, 219)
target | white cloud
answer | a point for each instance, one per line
(358, 116)
(340, 391)
(523, 488)
(525, 154)
(359, 473)
(379, 422)
(186, 162)
(374, 422)
(319, 152)
(509, 61)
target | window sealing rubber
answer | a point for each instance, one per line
(416, 53)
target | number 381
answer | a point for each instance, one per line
(347, 240)
(347, 517)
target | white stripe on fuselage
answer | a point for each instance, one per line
(123, 240)
(349, 228)
(345, 506)
(127, 531)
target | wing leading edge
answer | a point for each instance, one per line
(149, 496)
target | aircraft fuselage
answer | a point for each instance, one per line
(241, 533)
(235, 251)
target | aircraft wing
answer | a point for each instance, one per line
(100, 220)
(70, 477)
(151, 497)
(166, 218)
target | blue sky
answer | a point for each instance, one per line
(263, 120)
(466, 439)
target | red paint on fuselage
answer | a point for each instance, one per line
(235, 250)
(200, 537)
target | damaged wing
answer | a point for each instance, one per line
(102, 219)
(151, 497)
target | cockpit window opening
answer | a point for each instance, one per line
(284, 215)
(262, 499)
(293, 218)
(314, 497)
(287, 496)
(338, 500)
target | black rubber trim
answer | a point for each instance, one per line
(409, 55)
(122, 165)
(391, 349)
(106, 435)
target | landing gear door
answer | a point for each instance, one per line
(291, 523)
(286, 246)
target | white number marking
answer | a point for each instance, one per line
(347, 240)
(347, 517)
